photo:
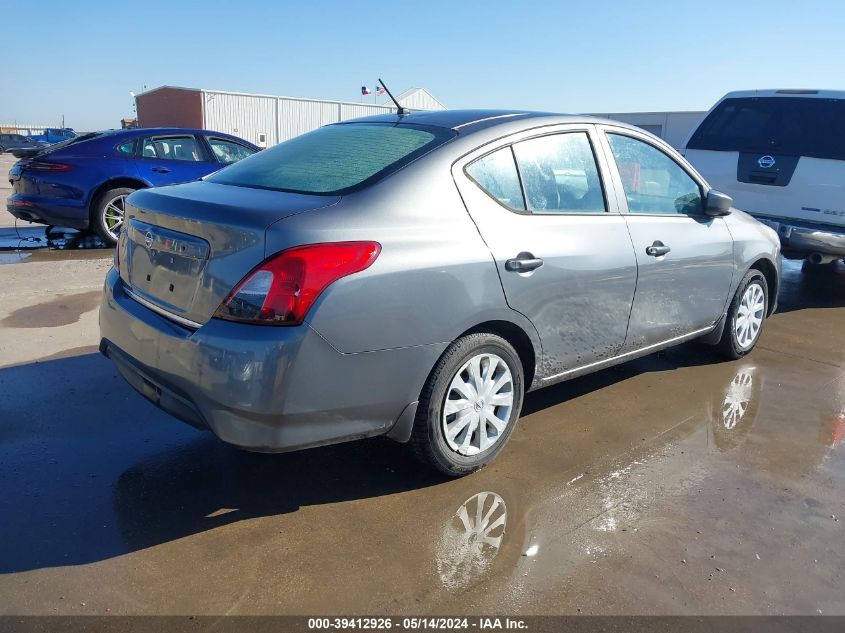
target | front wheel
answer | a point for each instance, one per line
(108, 214)
(746, 316)
(469, 405)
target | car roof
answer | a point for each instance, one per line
(140, 131)
(474, 120)
(169, 130)
(787, 92)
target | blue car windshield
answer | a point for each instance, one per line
(335, 159)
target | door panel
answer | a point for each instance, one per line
(684, 258)
(684, 290)
(173, 159)
(580, 297)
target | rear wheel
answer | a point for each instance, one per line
(746, 316)
(469, 405)
(809, 268)
(108, 213)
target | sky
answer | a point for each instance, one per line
(82, 59)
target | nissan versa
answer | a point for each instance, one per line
(413, 276)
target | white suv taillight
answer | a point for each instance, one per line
(283, 288)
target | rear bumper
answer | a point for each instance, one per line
(72, 213)
(268, 389)
(806, 238)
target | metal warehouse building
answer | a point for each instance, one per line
(262, 119)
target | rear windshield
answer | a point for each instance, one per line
(335, 159)
(71, 141)
(790, 126)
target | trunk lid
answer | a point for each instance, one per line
(187, 246)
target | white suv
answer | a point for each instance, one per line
(780, 154)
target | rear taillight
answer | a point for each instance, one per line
(284, 287)
(38, 166)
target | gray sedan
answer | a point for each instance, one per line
(413, 276)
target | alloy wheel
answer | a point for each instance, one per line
(113, 215)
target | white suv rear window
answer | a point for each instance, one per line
(786, 126)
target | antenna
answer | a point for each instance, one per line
(401, 111)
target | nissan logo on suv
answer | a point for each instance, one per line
(766, 161)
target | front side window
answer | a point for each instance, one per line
(334, 159)
(496, 174)
(653, 182)
(559, 174)
(228, 151)
(173, 148)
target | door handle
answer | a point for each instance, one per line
(657, 249)
(523, 263)
(161, 170)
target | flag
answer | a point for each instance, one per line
(365, 90)
(379, 91)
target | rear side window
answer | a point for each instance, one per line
(173, 148)
(127, 148)
(559, 174)
(789, 126)
(334, 159)
(496, 174)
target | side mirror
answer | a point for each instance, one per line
(718, 203)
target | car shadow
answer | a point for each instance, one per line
(691, 354)
(90, 470)
(811, 287)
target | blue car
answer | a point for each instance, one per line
(83, 182)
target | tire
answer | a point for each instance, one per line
(819, 269)
(480, 440)
(732, 344)
(106, 207)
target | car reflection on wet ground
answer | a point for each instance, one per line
(676, 483)
(21, 240)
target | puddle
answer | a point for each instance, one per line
(13, 257)
(21, 240)
(62, 310)
(471, 539)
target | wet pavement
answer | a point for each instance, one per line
(677, 483)
(19, 241)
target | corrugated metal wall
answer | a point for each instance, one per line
(246, 116)
(279, 118)
(356, 110)
(297, 117)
